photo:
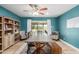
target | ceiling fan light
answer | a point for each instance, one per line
(35, 13)
(47, 13)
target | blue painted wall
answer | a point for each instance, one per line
(55, 23)
(5, 12)
(24, 22)
(71, 35)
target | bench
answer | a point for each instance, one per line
(55, 48)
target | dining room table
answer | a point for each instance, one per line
(39, 42)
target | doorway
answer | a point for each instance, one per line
(39, 28)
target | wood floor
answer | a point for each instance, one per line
(19, 47)
(66, 49)
(16, 49)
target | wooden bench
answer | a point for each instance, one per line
(55, 48)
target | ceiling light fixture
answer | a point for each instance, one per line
(38, 10)
(35, 13)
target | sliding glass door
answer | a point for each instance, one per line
(39, 27)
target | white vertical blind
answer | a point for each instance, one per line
(28, 25)
(49, 26)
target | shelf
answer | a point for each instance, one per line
(0, 36)
(0, 51)
(0, 43)
(16, 33)
(8, 29)
(16, 25)
(8, 26)
(0, 23)
(9, 23)
(0, 30)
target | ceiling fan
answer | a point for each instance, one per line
(38, 9)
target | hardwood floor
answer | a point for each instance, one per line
(18, 47)
(66, 49)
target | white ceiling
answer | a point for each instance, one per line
(25, 10)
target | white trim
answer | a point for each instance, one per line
(29, 25)
(69, 45)
(49, 26)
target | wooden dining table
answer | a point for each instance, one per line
(39, 42)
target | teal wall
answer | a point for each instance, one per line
(71, 35)
(24, 22)
(5, 12)
(55, 24)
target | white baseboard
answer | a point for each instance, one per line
(70, 45)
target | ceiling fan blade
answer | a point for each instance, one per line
(31, 5)
(41, 13)
(34, 6)
(38, 9)
(43, 9)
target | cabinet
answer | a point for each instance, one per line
(16, 31)
(8, 30)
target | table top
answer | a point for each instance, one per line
(39, 39)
